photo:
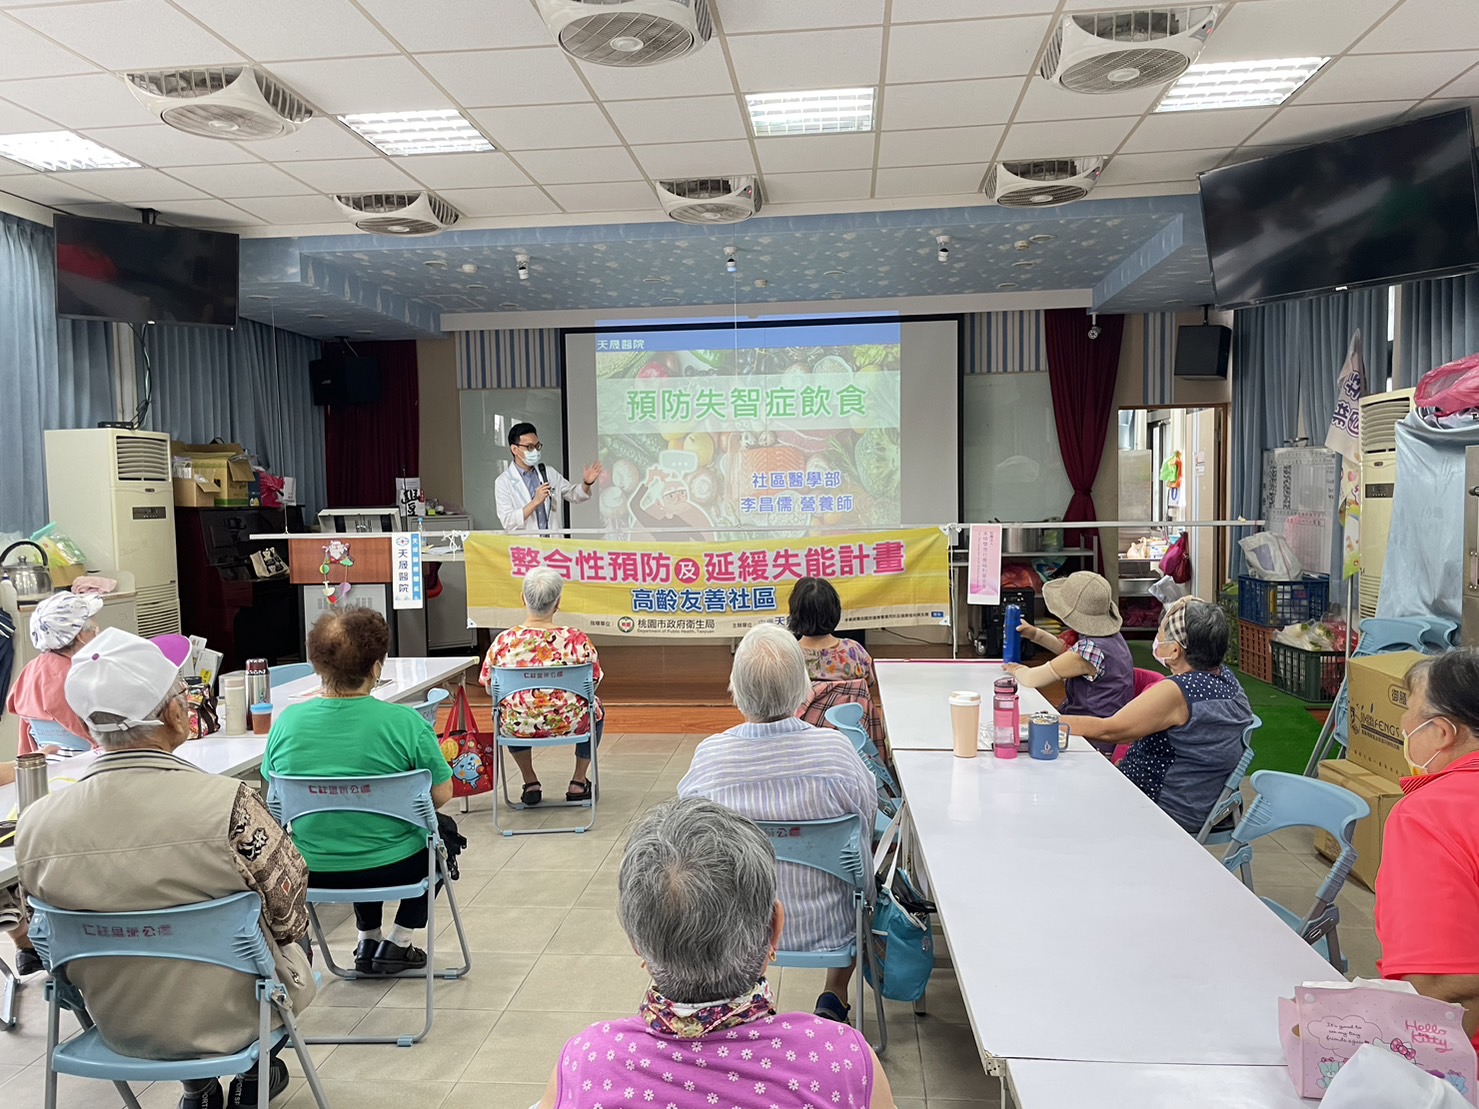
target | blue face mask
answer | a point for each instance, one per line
(532, 456)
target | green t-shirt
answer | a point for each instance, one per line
(346, 738)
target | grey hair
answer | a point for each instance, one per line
(140, 735)
(542, 589)
(697, 899)
(768, 680)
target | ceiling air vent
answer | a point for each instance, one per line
(232, 102)
(399, 213)
(1099, 52)
(710, 199)
(628, 33)
(1044, 183)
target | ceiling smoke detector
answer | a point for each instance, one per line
(628, 33)
(704, 200)
(1100, 52)
(399, 213)
(239, 103)
(1044, 183)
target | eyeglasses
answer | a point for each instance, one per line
(530, 446)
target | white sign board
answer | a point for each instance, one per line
(406, 583)
(983, 576)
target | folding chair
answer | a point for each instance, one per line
(1294, 801)
(288, 672)
(1228, 809)
(226, 932)
(9, 987)
(48, 733)
(840, 847)
(405, 797)
(432, 705)
(848, 719)
(579, 679)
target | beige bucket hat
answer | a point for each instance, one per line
(1083, 601)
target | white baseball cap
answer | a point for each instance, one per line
(119, 673)
(60, 618)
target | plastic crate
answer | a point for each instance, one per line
(1275, 604)
(1308, 675)
(1254, 658)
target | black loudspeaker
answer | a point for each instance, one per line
(345, 380)
(327, 375)
(1202, 350)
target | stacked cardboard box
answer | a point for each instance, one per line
(207, 474)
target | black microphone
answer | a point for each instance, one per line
(543, 478)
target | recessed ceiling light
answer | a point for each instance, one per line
(1025, 264)
(667, 300)
(654, 280)
(1041, 238)
(477, 285)
(823, 112)
(54, 150)
(509, 304)
(1238, 84)
(1006, 285)
(468, 267)
(441, 131)
(834, 273)
(434, 264)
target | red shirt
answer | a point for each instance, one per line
(39, 693)
(1427, 890)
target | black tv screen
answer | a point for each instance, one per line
(1374, 209)
(144, 273)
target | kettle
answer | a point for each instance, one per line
(31, 580)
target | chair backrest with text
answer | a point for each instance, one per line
(574, 678)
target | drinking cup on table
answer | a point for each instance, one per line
(262, 718)
(965, 721)
(234, 702)
(1046, 736)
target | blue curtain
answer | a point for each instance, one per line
(290, 430)
(1438, 322)
(53, 373)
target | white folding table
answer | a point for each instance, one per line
(1047, 1084)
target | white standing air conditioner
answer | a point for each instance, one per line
(1096, 52)
(1380, 415)
(710, 200)
(1042, 183)
(398, 213)
(223, 102)
(110, 489)
(628, 33)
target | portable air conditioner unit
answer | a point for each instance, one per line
(399, 213)
(110, 489)
(225, 102)
(1042, 183)
(710, 200)
(1099, 52)
(628, 33)
(1380, 415)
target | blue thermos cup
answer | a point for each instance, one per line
(1011, 643)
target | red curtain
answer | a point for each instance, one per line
(368, 446)
(1082, 373)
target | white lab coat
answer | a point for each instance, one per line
(510, 495)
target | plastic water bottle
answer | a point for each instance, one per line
(1011, 643)
(1006, 718)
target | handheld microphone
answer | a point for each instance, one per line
(543, 478)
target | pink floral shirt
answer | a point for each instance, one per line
(539, 713)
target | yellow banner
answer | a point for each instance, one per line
(702, 589)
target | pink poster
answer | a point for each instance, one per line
(983, 584)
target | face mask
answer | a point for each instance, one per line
(532, 457)
(1155, 650)
(1417, 768)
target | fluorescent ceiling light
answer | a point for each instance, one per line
(824, 112)
(443, 131)
(54, 150)
(1238, 84)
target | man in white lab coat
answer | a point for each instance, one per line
(529, 492)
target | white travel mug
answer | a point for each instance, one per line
(965, 721)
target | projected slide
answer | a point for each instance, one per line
(791, 428)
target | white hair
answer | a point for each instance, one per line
(542, 589)
(768, 680)
(140, 735)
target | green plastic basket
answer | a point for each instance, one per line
(1308, 675)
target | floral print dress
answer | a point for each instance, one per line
(541, 713)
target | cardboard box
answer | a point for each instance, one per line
(1378, 792)
(1378, 696)
(221, 473)
(196, 492)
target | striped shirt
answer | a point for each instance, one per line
(791, 770)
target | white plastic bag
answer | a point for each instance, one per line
(1376, 1078)
(1270, 557)
(1168, 590)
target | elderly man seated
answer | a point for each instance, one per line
(144, 829)
(777, 767)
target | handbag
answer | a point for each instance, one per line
(472, 755)
(200, 700)
(1176, 563)
(902, 947)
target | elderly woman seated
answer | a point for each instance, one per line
(698, 902)
(1186, 734)
(61, 625)
(540, 713)
(776, 767)
(841, 670)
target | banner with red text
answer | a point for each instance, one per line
(884, 578)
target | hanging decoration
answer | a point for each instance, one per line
(336, 553)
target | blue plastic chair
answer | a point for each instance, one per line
(288, 672)
(504, 682)
(1228, 809)
(1294, 801)
(432, 705)
(405, 797)
(48, 733)
(226, 932)
(840, 847)
(848, 719)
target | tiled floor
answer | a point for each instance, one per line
(550, 958)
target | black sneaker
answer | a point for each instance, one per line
(209, 1098)
(391, 958)
(364, 955)
(832, 1007)
(27, 961)
(243, 1094)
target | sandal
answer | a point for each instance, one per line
(531, 794)
(578, 791)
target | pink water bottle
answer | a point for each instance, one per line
(1006, 718)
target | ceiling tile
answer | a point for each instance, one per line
(18, 121)
(28, 54)
(494, 78)
(293, 209)
(273, 30)
(702, 73)
(353, 175)
(463, 171)
(938, 146)
(106, 209)
(546, 126)
(1136, 169)
(930, 180)
(201, 213)
(95, 100)
(1180, 130)
(918, 11)
(1465, 87)
(1385, 77)
(160, 145)
(805, 153)
(1065, 138)
(963, 50)
(575, 166)
(696, 159)
(341, 86)
(621, 196)
(316, 140)
(800, 188)
(1291, 29)
(808, 59)
(697, 119)
(1300, 123)
(45, 188)
(1046, 101)
(256, 179)
(525, 201)
(435, 24)
(132, 186)
(743, 16)
(1424, 25)
(950, 103)
(130, 34)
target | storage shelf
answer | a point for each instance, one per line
(1078, 551)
